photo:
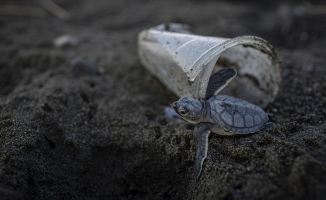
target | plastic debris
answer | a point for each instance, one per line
(65, 41)
(184, 62)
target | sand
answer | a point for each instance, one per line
(99, 131)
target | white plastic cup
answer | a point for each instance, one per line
(184, 62)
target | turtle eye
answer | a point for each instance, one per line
(183, 112)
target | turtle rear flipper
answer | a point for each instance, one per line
(267, 126)
(219, 80)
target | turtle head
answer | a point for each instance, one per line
(189, 109)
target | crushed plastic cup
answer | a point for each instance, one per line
(184, 62)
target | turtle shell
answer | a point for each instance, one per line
(236, 115)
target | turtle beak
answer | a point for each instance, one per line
(174, 106)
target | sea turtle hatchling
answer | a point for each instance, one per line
(221, 114)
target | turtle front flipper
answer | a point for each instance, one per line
(219, 80)
(201, 134)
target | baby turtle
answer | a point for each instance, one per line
(222, 114)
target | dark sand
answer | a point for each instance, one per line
(106, 137)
